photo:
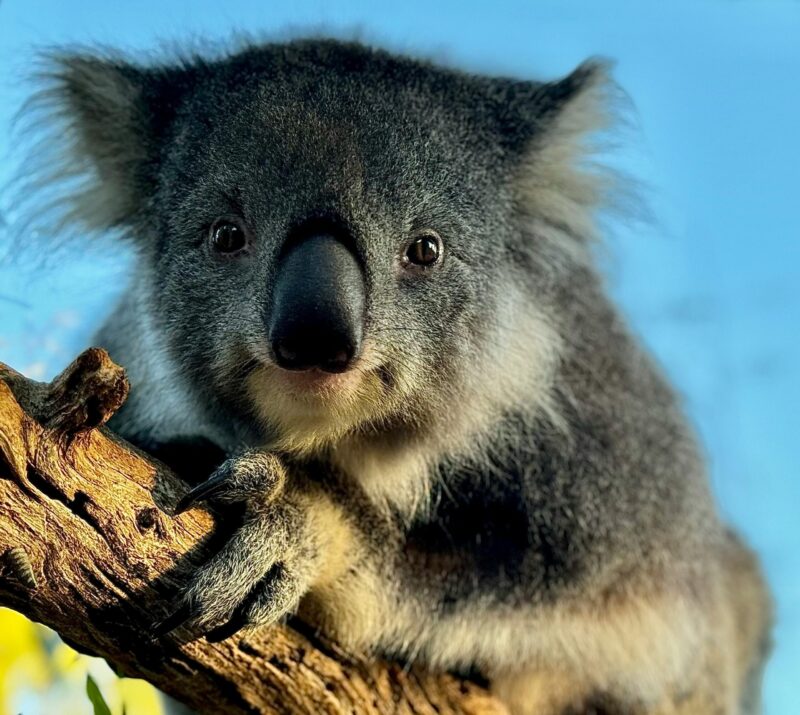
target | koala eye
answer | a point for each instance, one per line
(424, 251)
(228, 236)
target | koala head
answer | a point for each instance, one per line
(336, 240)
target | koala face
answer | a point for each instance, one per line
(330, 236)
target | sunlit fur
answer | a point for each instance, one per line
(503, 483)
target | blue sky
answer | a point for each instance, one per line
(711, 285)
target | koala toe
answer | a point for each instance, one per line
(275, 596)
(254, 477)
(258, 576)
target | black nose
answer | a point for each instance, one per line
(306, 349)
(318, 306)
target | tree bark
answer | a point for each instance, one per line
(88, 547)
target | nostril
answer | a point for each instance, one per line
(285, 356)
(338, 361)
(313, 350)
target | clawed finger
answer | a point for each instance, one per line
(205, 490)
(176, 619)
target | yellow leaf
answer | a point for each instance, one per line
(140, 698)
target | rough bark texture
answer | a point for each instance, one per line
(88, 547)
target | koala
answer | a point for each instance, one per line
(365, 288)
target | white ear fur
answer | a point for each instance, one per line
(559, 181)
(87, 130)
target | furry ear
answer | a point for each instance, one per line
(101, 122)
(531, 112)
(103, 105)
(553, 131)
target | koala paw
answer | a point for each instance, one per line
(264, 568)
(254, 477)
(257, 577)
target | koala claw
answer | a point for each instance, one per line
(205, 490)
(258, 577)
(173, 621)
(254, 475)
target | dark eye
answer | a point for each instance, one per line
(228, 236)
(425, 250)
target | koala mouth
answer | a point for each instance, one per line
(319, 382)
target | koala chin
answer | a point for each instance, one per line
(367, 283)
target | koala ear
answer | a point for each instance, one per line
(553, 131)
(102, 120)
(534, 113)
(109, 109)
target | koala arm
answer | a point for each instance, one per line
(291, 538)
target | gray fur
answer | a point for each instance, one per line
(521, 453)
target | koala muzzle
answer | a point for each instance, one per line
(318, 306)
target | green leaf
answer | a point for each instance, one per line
(96, 697)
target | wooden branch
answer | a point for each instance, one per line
(87, 547)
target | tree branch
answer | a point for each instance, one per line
(88, 548)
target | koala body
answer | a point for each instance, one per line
(368, 281)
